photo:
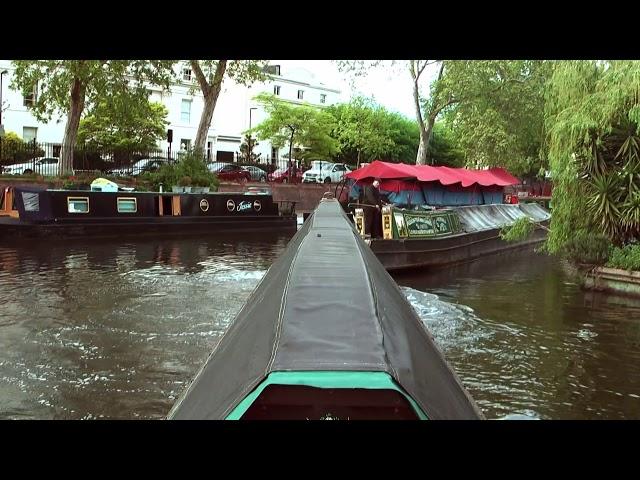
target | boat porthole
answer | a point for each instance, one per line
(231, 205)
(204, 205)
(257, 205)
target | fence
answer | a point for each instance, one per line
(25, 158)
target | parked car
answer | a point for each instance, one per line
(284, 175)
(257, 174)
(40, 165)
(230, 172)
(141, 166)
(325, 172)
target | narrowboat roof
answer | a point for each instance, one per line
(427, 173)
(327, 304)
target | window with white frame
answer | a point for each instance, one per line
(276, 89)
(127, 205)
(185, 111)
(186, 74)
(323, 98)
(300, 94)
(29, 134)
(78, 204)
(185, 144)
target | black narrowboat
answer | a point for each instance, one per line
(28, 211)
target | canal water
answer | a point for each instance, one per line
(117, 329)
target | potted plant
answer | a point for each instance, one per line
(185, 182)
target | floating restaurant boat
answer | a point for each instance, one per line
(441, 215)
(28, 211)
(327, 334)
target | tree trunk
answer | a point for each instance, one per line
(211, 93)
(78, 90)
(428, 132)
(423, 147)
(291, 147)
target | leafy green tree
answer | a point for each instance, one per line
(415, 68)
(444, 148)
(303, 126)
(140, 125)
(496, 111)
(361, 128)
(246, 149)
(592, 117)
(69, 86)
(495, 107)
(210, 75)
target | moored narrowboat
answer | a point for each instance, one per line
(439, 215)
(28, 211)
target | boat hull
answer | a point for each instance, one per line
(11, 228)
(404, 254)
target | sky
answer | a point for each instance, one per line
(391, 88)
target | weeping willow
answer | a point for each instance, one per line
(592, 118)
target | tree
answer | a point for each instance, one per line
(138, 126)
(246, 149)
(210, 74)
(68, 86)
(444, 148)
(298, 125)
(360, 128)
(496, 112)
(415, 68)
(592, 116)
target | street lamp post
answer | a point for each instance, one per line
(1, 75)
(250, 136)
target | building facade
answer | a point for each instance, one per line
(236, 110)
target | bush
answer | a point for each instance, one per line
(588, 248)
(191, 165)
(14, 150)
(627, 257)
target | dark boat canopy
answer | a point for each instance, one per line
(327, 304)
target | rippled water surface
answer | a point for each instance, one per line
(116, 329)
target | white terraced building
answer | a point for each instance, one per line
(235, 111)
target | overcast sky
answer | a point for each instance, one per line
(389, 87)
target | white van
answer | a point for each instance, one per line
(325, 172)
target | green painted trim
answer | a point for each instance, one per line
(323, 379)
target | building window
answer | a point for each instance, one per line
(78, 204)
(276, 89)
(300, 94)
(185, 111)
(272, 69)
(30, 100)
(186, 74)
(323, 98)
(127, 205)
(274, 154)
(185, 144)
(29, 134)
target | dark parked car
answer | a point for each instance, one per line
(257, 174)
(230, 172)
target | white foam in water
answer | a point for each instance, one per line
(451, 324)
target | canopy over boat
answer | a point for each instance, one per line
(326, 315)
(428, 173)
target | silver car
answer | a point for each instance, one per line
(47, 166)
